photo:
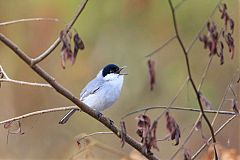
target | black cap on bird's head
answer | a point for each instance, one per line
(112, 68)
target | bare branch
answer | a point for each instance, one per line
(205, 73)
(216, 132)
(223, 100)
(7, 79)
(189, 70)
(162, 46)
(27, 20)
(57, 42)
(38, 113)
(167, 137)
(177, 108)
(93, 134)
(26, 83)
(67, 94)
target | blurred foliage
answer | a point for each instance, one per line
(120, 32)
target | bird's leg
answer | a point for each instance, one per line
(99, 115)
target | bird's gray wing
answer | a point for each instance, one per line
(92, 87)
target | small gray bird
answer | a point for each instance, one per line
(101, 92)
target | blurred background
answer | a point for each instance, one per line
(121, 32)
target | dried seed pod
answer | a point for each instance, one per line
(152, 74)
(173, 128)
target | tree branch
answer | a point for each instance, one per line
(67, 94)
(189, 71)
(205, 73)
(57, 41)
(223, 100)
(162, 46)
(38, 113)
(27, 20)
(177, 108)
(5, 78)
(92, 134)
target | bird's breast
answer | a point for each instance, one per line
(106, 95)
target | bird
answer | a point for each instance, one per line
(102, 91)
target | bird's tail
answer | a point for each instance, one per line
(67, 116)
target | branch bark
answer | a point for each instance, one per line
(5, 78)
(38, 113)
(28, 20)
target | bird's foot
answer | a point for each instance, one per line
(99, 114)
(110, 121)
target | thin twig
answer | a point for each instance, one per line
(27, 20)
(174, 98)
(57, 41)
(234, 94)
(189, 70)
(162, 46)
(203, 27)
(93, 134)
(105, 147)
(167, 137)
(68, 95)
(187, 138)
(216, 132)
(179, 4)
(177, 108)
(205, 73)
(26, 83)
(38, 113)
(7, 79)
(223, 100)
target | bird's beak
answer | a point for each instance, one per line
(120, 69)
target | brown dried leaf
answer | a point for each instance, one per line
(230, 42)
(231, 24)
(78, 44)
(205, 41)
(221, 53)
(143, 126)
(154, 137)
(147, 132)
(205, 102)
(173, 128)
(66, 52)
(123, 132)
(198, 125)
(152, 74)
